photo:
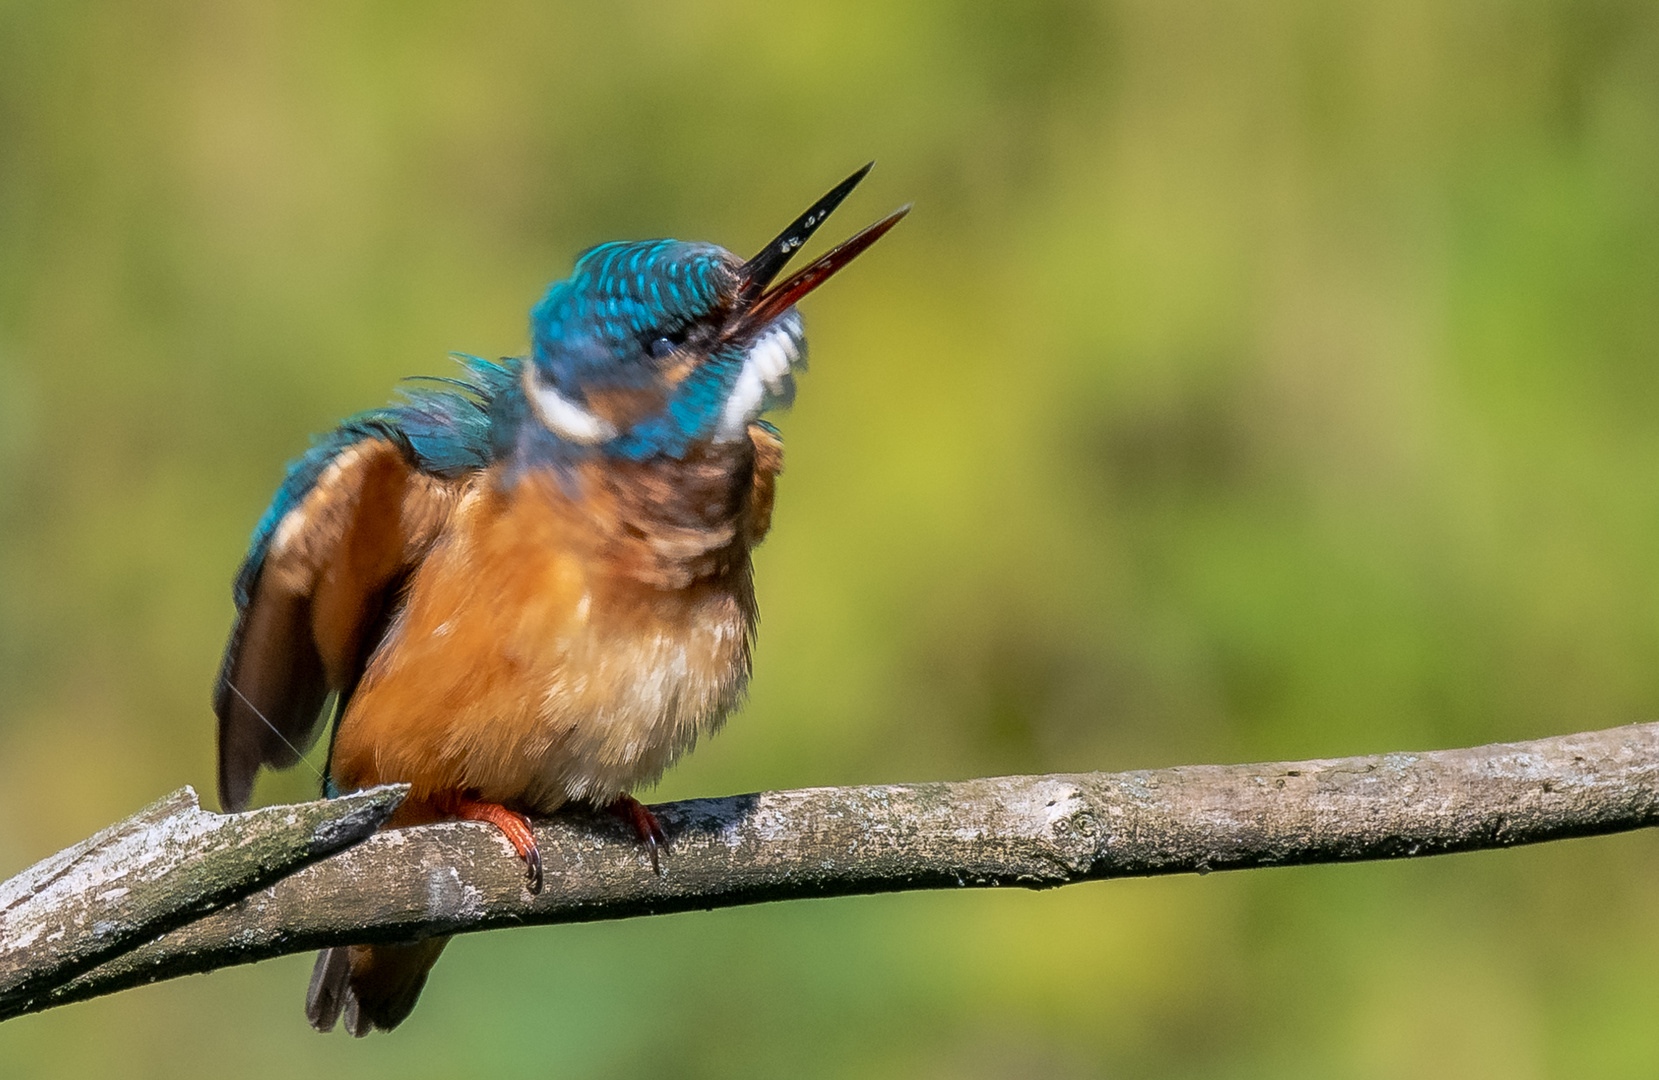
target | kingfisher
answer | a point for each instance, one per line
(530, 585)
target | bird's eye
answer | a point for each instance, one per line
(662, 348)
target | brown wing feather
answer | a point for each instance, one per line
(320, 604)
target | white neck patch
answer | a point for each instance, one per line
(562, 416)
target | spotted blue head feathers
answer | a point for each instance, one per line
(628, 355)
(651, 347)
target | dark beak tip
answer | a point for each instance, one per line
(759, 271)
(764, 307)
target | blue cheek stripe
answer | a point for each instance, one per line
(691, 414)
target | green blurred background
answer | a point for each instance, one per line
(1252, 381)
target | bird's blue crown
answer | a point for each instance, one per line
(601, 322)
(632, 340)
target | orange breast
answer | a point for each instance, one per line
(529, 667)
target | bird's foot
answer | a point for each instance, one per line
(514, 825)
(646, 827)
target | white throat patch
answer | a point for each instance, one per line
(764, 380)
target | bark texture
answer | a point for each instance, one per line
(166, 865)
(1030, 831)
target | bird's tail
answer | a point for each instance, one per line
(371, 986)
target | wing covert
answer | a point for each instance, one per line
(353, 516)
(314, 599)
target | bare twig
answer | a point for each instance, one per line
(1034, 831)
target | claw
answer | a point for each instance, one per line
(532, 868)
(646, 827)
(513, 825)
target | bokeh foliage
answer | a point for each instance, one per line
(1252, 381)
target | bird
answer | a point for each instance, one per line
(529, 585)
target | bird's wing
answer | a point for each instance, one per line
(352, 519)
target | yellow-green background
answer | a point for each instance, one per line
(1252, 381)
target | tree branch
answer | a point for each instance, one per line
(166, 865)
(1031, 831)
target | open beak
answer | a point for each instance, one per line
(757, 305)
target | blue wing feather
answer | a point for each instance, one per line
(443, 430)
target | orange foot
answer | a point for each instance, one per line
(514, 825)
(645, 824)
